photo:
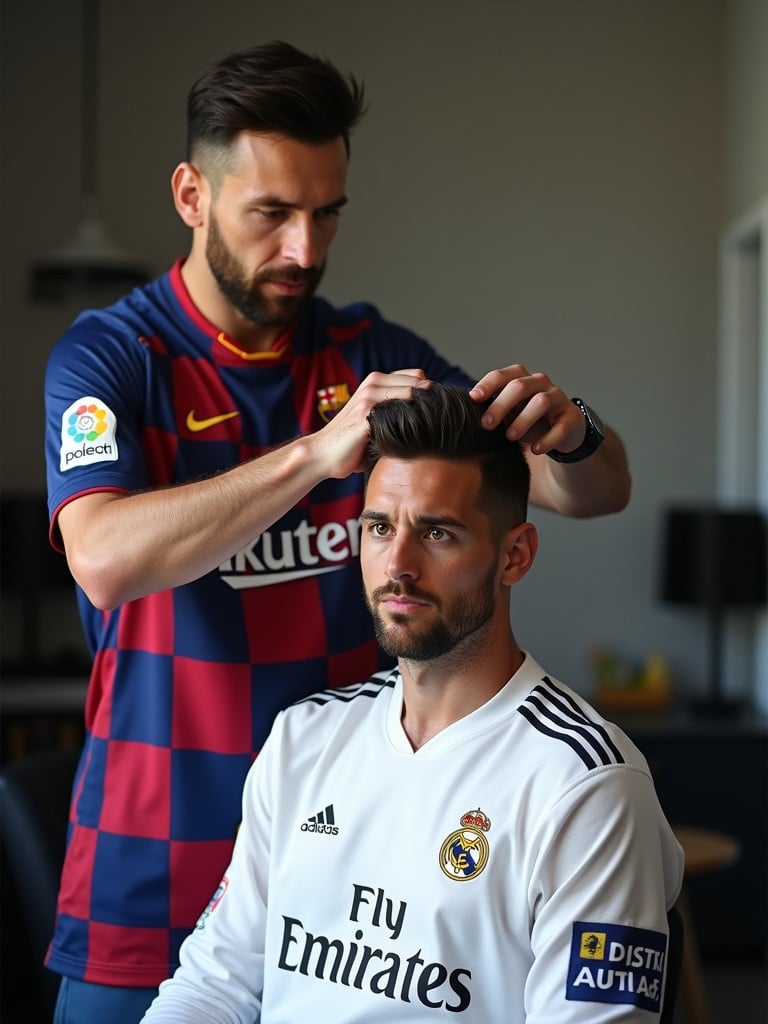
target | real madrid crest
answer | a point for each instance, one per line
(465, 852)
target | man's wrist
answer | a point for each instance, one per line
(593, 438)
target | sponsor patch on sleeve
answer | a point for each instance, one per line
(88, 434)
(613, 963)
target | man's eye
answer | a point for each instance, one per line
(328, 212)
(379, 529)
(437, 534)
(270, 214)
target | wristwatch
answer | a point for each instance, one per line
(593, 438)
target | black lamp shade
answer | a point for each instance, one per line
(714, 557)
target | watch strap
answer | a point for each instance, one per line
(593, 438)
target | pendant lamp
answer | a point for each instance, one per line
(90, 262)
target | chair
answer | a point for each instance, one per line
(705, 851)
(674, 965)
(35, 795)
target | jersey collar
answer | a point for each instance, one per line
(224, 349)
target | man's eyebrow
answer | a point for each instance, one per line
(441, 521)
(431, 521)
(370, 513)
(276, 203)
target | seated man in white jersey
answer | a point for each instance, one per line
(464, 838)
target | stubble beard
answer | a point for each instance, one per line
(248, 297)
(459, 624)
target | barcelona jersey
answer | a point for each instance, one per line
(185, 683)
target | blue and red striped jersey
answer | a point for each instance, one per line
(185, 683)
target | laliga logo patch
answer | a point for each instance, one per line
(88, 434)
(465, 852)
(613, 963)
(331, 399)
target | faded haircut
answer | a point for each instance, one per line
(443, 422)
(272, 88)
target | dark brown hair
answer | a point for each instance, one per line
(272, 88)
(443, 422)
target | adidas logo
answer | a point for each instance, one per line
(323, 821)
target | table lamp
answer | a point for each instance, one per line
(715, 559)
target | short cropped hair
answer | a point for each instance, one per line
(443, 422)
(272, 88)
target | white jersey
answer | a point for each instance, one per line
(517, 867)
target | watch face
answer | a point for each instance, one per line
(593, 437)
(595, 420)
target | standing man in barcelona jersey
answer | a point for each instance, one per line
(203, 438)
(460, 838)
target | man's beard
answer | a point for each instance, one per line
(466, 615)
(249, 297)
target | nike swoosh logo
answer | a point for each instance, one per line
(196, 425)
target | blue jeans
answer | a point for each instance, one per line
(80, 1002)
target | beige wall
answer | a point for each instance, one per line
(536, 180)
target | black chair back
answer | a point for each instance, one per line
(35, 794)
(674, 965)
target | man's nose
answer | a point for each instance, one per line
(402, 560)
(301, 244)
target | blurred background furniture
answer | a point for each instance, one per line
(41, 628)
(715, 774)
(34, 809)
(705, 851)
(715, 559)
(675, 953)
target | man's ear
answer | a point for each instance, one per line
(519, 547)
(190, 192)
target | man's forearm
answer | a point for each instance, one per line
(121, 547)
(597, 486)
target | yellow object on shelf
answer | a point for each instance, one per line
(632, 699)
(619, 686)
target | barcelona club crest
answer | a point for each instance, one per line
(331, 399)
(465, 852)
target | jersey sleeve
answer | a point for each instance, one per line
(95, 390)
(220, 977)
(605, 870)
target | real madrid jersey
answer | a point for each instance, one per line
(186, 682)
(517, 867)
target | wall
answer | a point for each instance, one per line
(746, 105)
(743, 409)
(537, 181)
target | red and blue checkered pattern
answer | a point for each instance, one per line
(186, 683)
